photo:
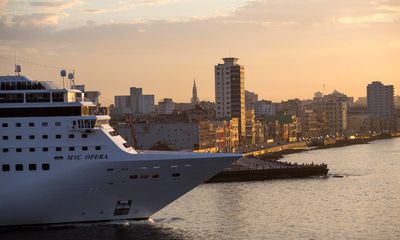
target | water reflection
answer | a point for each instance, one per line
(98, 232)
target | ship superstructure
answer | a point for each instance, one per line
(60, 163)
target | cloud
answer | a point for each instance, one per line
(51, 5)
(374, 18)
(37, 19)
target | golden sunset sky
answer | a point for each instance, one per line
(289, 48)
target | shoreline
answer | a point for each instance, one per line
(277, 155)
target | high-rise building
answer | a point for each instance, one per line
(123, 104)
(195, 99)
(380, 101)
(141, 104)
(230, 93)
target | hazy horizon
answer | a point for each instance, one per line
(290, 49)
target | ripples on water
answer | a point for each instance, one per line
(364, 204)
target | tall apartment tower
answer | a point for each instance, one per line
(195, 99)
(380, 101)
(230, 93)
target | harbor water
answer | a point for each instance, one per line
(359, 200)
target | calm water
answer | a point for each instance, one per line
(365, 204)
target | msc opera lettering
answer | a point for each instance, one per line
(87, 157)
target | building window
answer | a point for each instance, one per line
(31, 149)
(32, 167)
(5, 150)
(45, 149)
(4, 125)
(19, 167)
(45, 166)
(17, 124)
(31, 124)
(58, 149)
(58, 136)
(44, 124)
(18, 137)
(176, 174)
(5, 167)
(57, 124)
(71, 136)
(84, 135)
(58, 158)
(71, 148)
(5, 137)
(45, 136)
(31, 136)
(98, 147)
(18, 149)
(84, 148)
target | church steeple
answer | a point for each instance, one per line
(195, 99)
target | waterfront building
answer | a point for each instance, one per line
(166, 106)
(281, 128)
(195, 99)
(250, 99)
(380, 101)
(230, 93)
(250, 128)
(264, 108)
(227, 135)
(331, 113)
(309, 125)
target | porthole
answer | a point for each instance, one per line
(19, 167)
(5, 167)
(45, 166)
(32, 167)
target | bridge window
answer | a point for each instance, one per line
(38, 97)
(11, 97)
(58, 96)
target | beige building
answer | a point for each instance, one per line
(250, 127)
(227, 135)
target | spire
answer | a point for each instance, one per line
(195, 99)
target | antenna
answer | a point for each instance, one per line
(230, 53)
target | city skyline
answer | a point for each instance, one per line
(287, 54)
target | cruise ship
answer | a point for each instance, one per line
(61, 163)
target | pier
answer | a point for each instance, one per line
(253, 169)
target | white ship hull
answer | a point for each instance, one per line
(86, 191)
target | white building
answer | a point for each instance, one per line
(146, 104)
(264, 108)
(380, 100)
(123, 104)
(166, 106)
(230, 93)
